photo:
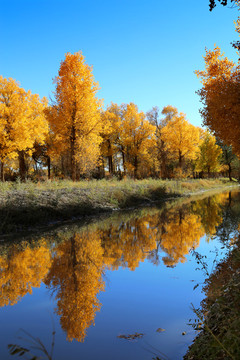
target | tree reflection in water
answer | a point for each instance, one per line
(73, 268)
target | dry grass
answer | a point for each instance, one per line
(31, 204)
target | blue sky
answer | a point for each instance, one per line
(141, 51)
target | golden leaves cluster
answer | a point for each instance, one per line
(22, 120)
(220, 97)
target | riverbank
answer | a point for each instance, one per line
(220, 313)
(28, 205)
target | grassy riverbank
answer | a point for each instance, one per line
(27, 205)
(220, 314)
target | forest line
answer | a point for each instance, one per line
(74, 137)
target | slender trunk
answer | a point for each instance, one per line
(135, 167)
(123, 161)
(101, 168)
(180, 159)
(77, 171)
(73, 160)
(208, 171)
(229, 171)
(110, 159)
(22, 165)
(73, 145)
(162, 161)
(110, 164)
(49, 167)
(2, 171)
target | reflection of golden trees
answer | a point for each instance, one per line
(76, 275)
(75, 270)
(181, 234)
(210, 211)
(21, 271)
(128, 243)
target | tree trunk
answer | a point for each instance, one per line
(135, 167)
(208, 171)
(73, 160)
(22, 165)
(123, 160)
(49, 167)
(110, 158)
(2, 171)
(110, 164)
(180, 159)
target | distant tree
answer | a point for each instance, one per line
(162, 151)
(209, 158)
(228, 157)
(111, 119)
(136, 136)
(181, 138)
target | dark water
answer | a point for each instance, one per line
(133, 273)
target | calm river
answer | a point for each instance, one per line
(117, 289)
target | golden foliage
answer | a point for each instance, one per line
(22, 120)
(76, 272)
(210, 154)
(22, 271)
(75, 118)
(220, 97)
(181, 138)
(182, 233)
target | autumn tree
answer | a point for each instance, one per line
(209, 158)
(228, 157)
(181, 138)
(220, 97)
(111, 119)
(136, 135)
(22, 122)
(155, 119)
(75, 117)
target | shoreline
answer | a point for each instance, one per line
(28, 207)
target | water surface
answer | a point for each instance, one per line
(132, 273)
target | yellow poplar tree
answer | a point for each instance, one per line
(75, 118)
(111, 121)
(210, 155)
(162, 153)
(181, 138)
(22, 121)
(136, 136)
(220, 97)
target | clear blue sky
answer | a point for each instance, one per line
(144, 51)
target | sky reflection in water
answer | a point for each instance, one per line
(131, 273)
